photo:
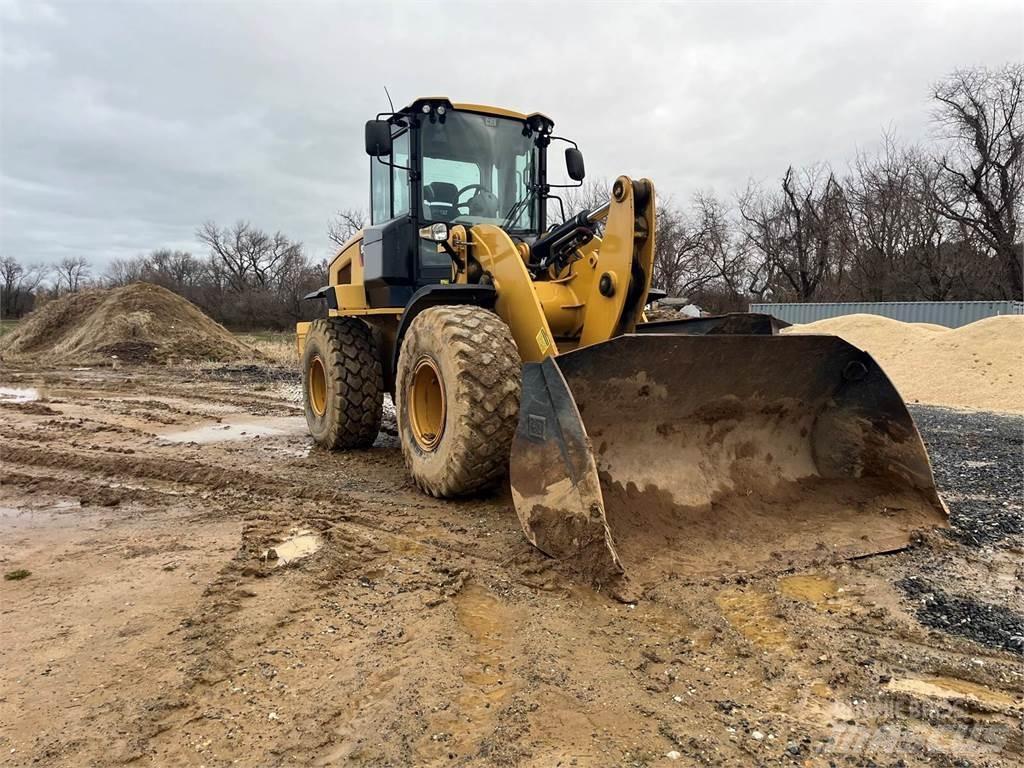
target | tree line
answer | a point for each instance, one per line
(903, 223)
(249, 279)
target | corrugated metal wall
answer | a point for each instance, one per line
(952, 314)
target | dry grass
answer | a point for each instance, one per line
(276, 346)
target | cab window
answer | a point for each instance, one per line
(400, 176)
(479, 169)
(389, 185)
(380, 190)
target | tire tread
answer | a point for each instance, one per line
(489, 378)
(356, 390)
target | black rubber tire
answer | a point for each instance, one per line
(481, 374)
(354, 383)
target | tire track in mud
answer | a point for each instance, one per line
(169, 469)
(236, 491)
(363, 531)
(136, 466)
(384, 607)
(353, 560)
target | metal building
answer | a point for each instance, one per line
(952, 314)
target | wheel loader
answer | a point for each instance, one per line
(517, 346)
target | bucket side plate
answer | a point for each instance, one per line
(555, 485)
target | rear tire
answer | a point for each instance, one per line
(457, 396)
(342, 383)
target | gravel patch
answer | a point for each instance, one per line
(248, 373)
(978, 459)
(992, 625)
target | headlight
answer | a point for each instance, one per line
(441, 110)
(437, 232)
(425, 109)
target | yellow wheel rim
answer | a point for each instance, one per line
(317, 386)
(426, 404)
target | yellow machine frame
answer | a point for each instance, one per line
(584, 304)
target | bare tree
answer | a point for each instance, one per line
(698, 249)
(945, 259)
(345, 224)
(880, 205)
(71, 274)
(678, 245)
(592, 194)
(248, 257)
(124, 271)
(722, 245)
(762, 228)
(178, 271)
(800, 233)
(982, 118)
(18, 285)
(298, 278)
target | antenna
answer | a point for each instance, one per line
(391, 103)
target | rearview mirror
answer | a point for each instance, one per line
(378, 138)
(574, 164)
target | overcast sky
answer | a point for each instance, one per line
(124, 125)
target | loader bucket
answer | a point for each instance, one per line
(663, 455)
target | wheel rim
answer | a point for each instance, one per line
(317, 386)
(426, 404)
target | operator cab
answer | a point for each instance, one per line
(455, 164)
(476, 168)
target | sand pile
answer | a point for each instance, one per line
(980, 365)
(137, 323)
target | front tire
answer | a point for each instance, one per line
(457, 396)
(342, 383)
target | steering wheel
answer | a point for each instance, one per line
(465, 189)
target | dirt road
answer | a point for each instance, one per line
(204, 588)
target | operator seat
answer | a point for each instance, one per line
(441, 197)
(484, 204)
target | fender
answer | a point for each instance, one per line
(438, 295)
(327, 293)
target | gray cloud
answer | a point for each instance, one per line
(125, 125)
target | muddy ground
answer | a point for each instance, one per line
(155, 626)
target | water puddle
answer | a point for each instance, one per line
(299, 544)
(752, 614)
(241, 428)
(952, 688)
(18, 394)
(811, 588)
(19, 521)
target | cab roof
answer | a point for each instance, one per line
(482, 109)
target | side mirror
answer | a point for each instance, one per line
(378, 138)
(574, 164)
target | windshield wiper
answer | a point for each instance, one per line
(517, 209)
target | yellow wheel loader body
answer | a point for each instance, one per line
(639, 451)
